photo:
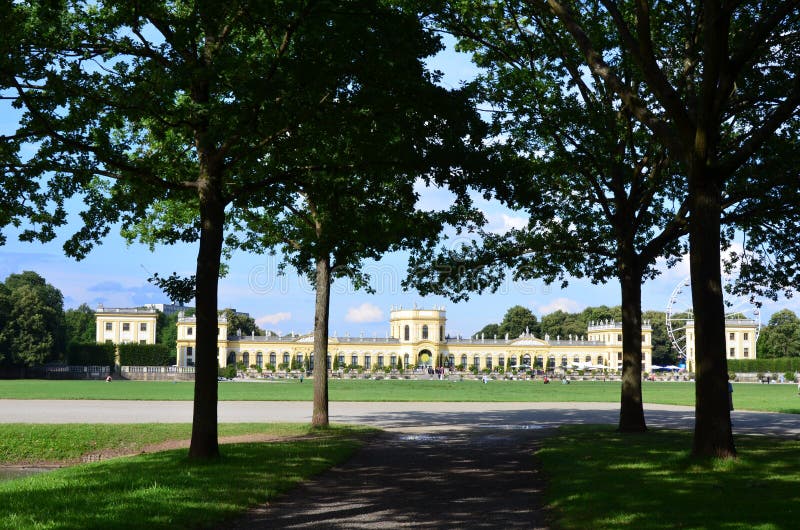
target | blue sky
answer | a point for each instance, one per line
(115, 274)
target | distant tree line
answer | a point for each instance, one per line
(35, 329)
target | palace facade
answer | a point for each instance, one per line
(120, 325)
(419, 337)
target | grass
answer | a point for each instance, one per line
(31, 444)
(165, 489)
(771, 398)
(602, 480)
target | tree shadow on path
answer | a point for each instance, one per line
(479, 478)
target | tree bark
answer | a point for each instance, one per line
(631, 411)
(319, 416)
(204, 443)
(713, 435)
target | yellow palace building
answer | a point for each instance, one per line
(419, 337)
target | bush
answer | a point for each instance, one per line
(778, 364)
(227, 371)
(91, 354)
(145, 355)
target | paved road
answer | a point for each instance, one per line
(394, 416)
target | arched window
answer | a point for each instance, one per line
(260, 359)
(406, 333)
(405, 360)
(588, 359)
(286, 357)
(246, 359)
(476, 360)
(272, 358)
(367, 362)
(425, 332)
(489, 362)
(464, 362)
(354, 360)
(380, 361)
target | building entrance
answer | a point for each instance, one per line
(425, 358)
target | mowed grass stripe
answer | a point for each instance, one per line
(772, 398)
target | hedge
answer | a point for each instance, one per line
(778, 364)
(145, 355)
(90, 354)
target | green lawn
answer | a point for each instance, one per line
(601, 480)
(774, 398)
(165, 489)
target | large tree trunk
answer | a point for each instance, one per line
(631, 411)
(204, 443)
(713, 435)
(319, 417)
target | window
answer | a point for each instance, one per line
(341, 361)
(143, 326)
(367, 362)
(126, 326)
(746, 352)
(476, 360)
(489, 362)
(393, 361)
(380, 361)
(142, 341)
(619, 356)
(588, 359)
(299, 359)
(731, 336)
(644, 339)
(260, 359)
(619, 337)
(354, 360)
(406, 333)
(425, 332)
(272, 358)
(286, 357)
(188, 331)
(502, 362)
(441, 333)
(109, 341)
(732, 352)
(189, 351)
(246, 359)
(109, 326)
(464, 362)
(405, 361)
(746, 336)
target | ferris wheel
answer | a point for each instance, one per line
(680, 313)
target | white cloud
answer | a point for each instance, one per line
(509, 222)
(366, 312)
(273, 319)
(564, 304)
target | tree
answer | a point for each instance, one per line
(34, 330)
(518, 320)
(723, 93)
(80, 325)
(489, 330)
(171, 117)
(365, 203)
(599, 190)
(241, 323)
(663, 354)
(781, 336)
(560, 325)
(167, 330)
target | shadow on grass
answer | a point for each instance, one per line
(166, 490)
(600, 479)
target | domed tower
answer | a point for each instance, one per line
(421, 332)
